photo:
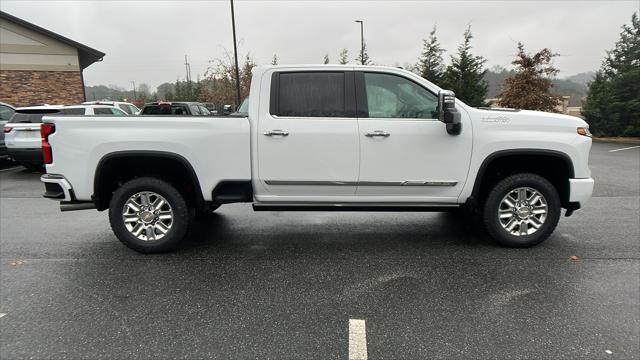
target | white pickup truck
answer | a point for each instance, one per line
(324, 138)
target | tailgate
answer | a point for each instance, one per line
(23, 136)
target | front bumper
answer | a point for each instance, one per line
(580, 191)
(26, 155)
(57, 187)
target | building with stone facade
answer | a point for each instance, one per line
(38, 66)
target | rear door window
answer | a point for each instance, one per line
(311, 94)
(75, 111)
(102, 111)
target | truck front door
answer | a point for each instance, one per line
(406, 153)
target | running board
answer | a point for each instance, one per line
(434, 207)
(73, 206)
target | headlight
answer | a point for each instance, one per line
(584, 131)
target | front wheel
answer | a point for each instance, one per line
(148, 215)
(522, 210)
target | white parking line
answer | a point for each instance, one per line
(2, 314)
(627, 148)
(357, 340)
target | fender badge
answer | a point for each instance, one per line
(495, 119)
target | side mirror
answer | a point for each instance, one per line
(447, 112)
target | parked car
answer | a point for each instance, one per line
(6, 111)
(175, 108)
(128, 108)
(22, 131)
(325, 138)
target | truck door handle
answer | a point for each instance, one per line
(276, 132)
(377, 133)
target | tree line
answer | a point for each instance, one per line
(612, 106)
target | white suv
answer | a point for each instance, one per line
(22, 131)
(129, 108)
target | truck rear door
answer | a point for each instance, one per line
(308, 135)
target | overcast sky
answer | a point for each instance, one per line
(145, 41)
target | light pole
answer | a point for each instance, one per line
(361, 40)
(235, 55)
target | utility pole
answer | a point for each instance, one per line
(361, 40)
(134, 90)
(187, 68)
(235, 55)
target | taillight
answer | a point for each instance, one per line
(47, 129)
(7, 129)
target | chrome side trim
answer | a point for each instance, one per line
(309, 182)
(364, 183)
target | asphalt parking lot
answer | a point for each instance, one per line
(285, 285)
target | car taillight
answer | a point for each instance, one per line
(7, 129)
(45, 130)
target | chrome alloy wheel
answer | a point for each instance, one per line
(147, 216)
(523, 211)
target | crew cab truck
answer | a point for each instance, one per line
(330, 138)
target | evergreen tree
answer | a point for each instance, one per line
(274, 61)
(363, 56)
(430, 65)
(344, 56)
(465, 75)
(326, 59)
(612, 107)
(529, 88)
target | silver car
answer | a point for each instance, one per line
(6, 112)
(22, 131)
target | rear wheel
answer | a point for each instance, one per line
(522, 210)
(149, 215)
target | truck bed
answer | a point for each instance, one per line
(217, 148)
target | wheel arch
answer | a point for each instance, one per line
(102, 183)
(490, 170)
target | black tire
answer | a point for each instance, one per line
(500, 190)
(178, 205)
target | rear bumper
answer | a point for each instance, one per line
(580, 191)
(57, 187)
(29, 155)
